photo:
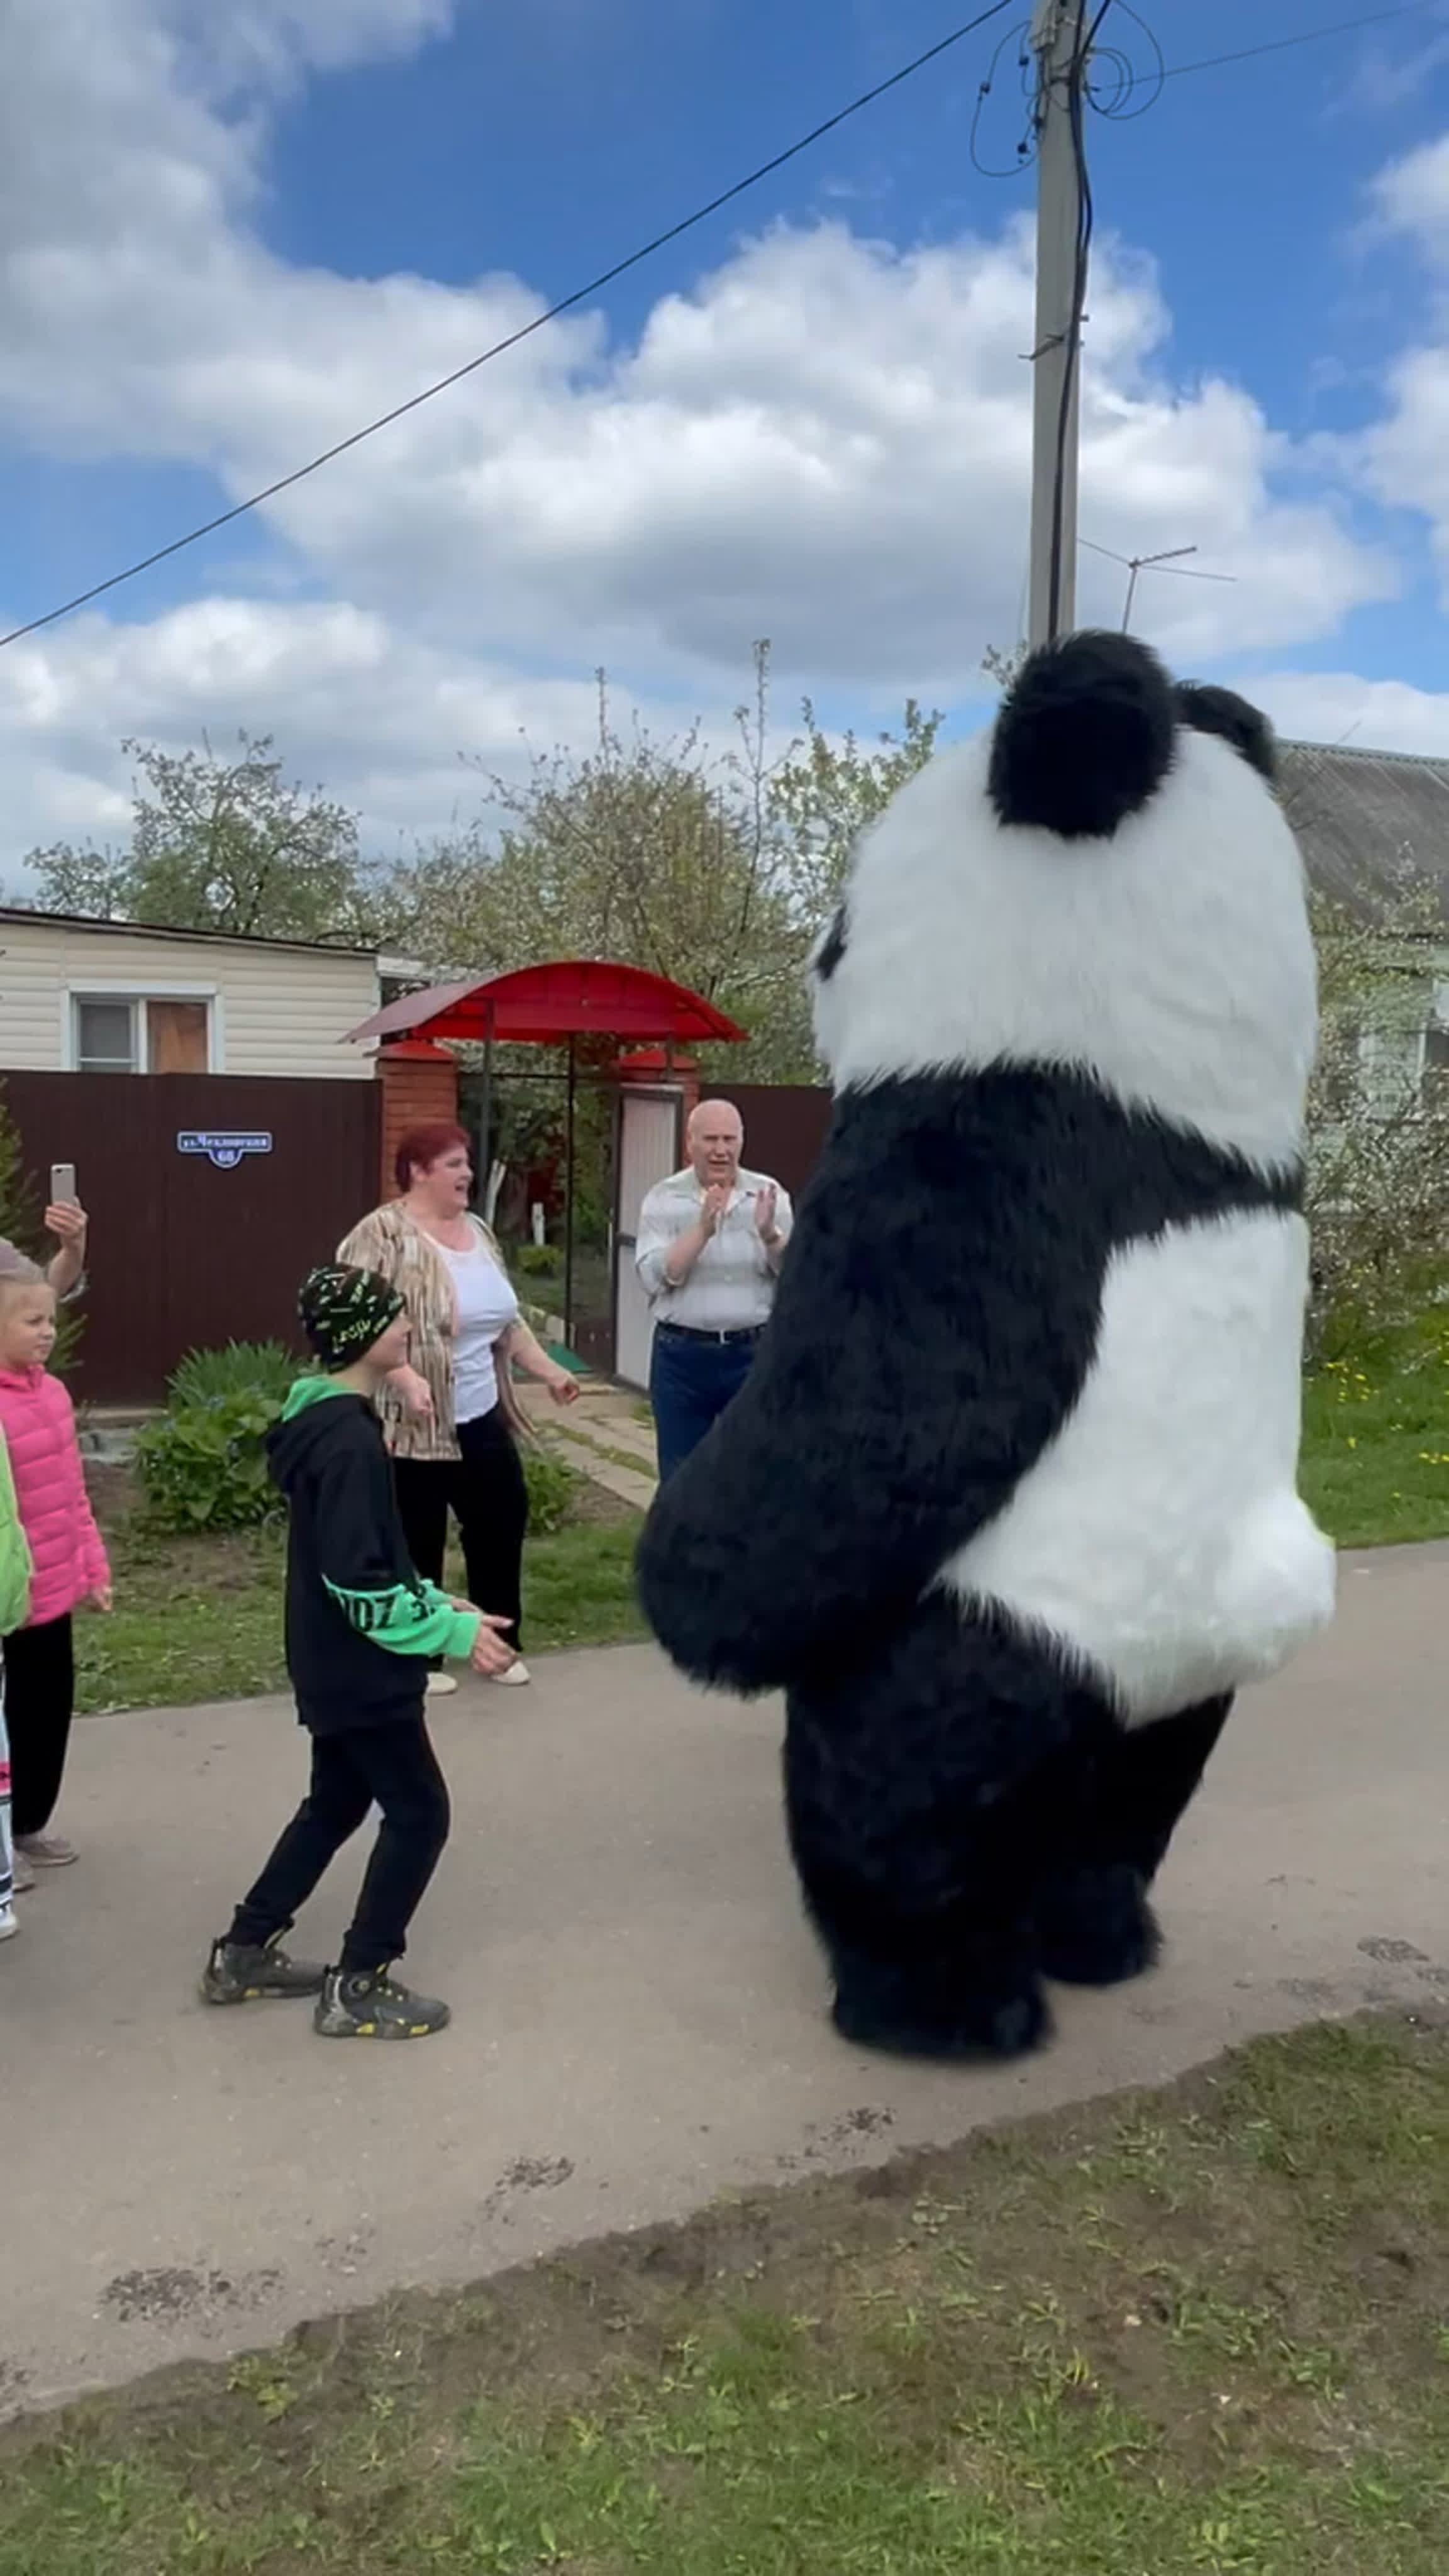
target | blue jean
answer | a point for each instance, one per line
(691, 1380)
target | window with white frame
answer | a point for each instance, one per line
(141, 1032)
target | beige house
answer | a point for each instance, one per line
(108, 997)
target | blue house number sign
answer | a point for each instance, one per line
(222, 1146)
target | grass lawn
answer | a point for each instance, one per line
(1376, 1446)
(1201, 2333)
(201, 1619)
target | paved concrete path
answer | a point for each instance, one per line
(639, 2006)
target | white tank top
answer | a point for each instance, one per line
(486, 1308)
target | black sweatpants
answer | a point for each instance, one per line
(392, 1765)
(486, 1492)
(39, 1706)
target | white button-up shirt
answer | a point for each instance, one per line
(731, 1288)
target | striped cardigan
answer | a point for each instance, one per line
(388, 1241)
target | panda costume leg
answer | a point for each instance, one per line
(925, 1798)
(1094, 1924)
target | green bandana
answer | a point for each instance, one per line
(344, 1312)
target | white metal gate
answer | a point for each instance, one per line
(650, 1146)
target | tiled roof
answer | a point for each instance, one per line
(1364, 817)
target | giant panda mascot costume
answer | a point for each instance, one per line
(1008, 1506)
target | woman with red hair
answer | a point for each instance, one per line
(451, 1417)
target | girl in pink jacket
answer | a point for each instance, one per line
(68, 1563)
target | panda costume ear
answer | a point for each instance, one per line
(1221, 711)
(1084, 738)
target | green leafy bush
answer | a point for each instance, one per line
(203, 1467)
(240, 1368)
(538, 1260)
(553, 1491)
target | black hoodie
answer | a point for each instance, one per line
(361, 1623)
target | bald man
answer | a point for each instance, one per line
(711, 1239)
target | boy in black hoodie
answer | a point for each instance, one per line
(361, 1627)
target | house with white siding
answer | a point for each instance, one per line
(82, 996)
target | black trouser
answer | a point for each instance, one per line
(486, 1491)
(39, 1706)
(394, 1765)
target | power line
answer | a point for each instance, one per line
(635, 259)
(1110, 99)
(566, 304)
(1306, 36)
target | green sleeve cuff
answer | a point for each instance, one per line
(463, 1625)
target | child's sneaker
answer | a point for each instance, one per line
(23, 1881)
(9, 1925)
(239, 1973)
(357, 2006)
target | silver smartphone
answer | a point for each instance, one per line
(63, 1191)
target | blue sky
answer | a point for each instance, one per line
(808, 419)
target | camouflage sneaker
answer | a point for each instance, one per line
(244, 1973)
(355, 2006)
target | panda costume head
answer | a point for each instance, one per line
(1008, 1503)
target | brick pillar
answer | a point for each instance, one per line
(661, 1068)
(419, 1089)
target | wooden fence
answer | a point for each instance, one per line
(209, 1197)
(785, 1128)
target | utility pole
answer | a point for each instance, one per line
(1057, 40)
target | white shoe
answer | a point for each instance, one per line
(9, 1925)
(441, 1685)
(516, 1676)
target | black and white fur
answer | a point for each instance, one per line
(1008, 1503)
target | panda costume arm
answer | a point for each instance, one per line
(927, 1344)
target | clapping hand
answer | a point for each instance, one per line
(490, 1656)
(714, 1205)
(765, 1209)
(415, 1392)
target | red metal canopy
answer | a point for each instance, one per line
(539, 1005)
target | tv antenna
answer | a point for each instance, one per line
(1168, 561)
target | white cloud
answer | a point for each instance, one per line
(1412, 195)
(826, 441)
(1338, 707)
(406, 732)
(1403, 458)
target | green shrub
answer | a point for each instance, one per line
(241, 1368)
(203, 1467)
(538, 1260)
(553, 1491)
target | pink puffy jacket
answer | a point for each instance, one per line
(50, 1493)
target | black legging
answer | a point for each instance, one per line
(39, 1704)
(393, 1765)
(486, 1491)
